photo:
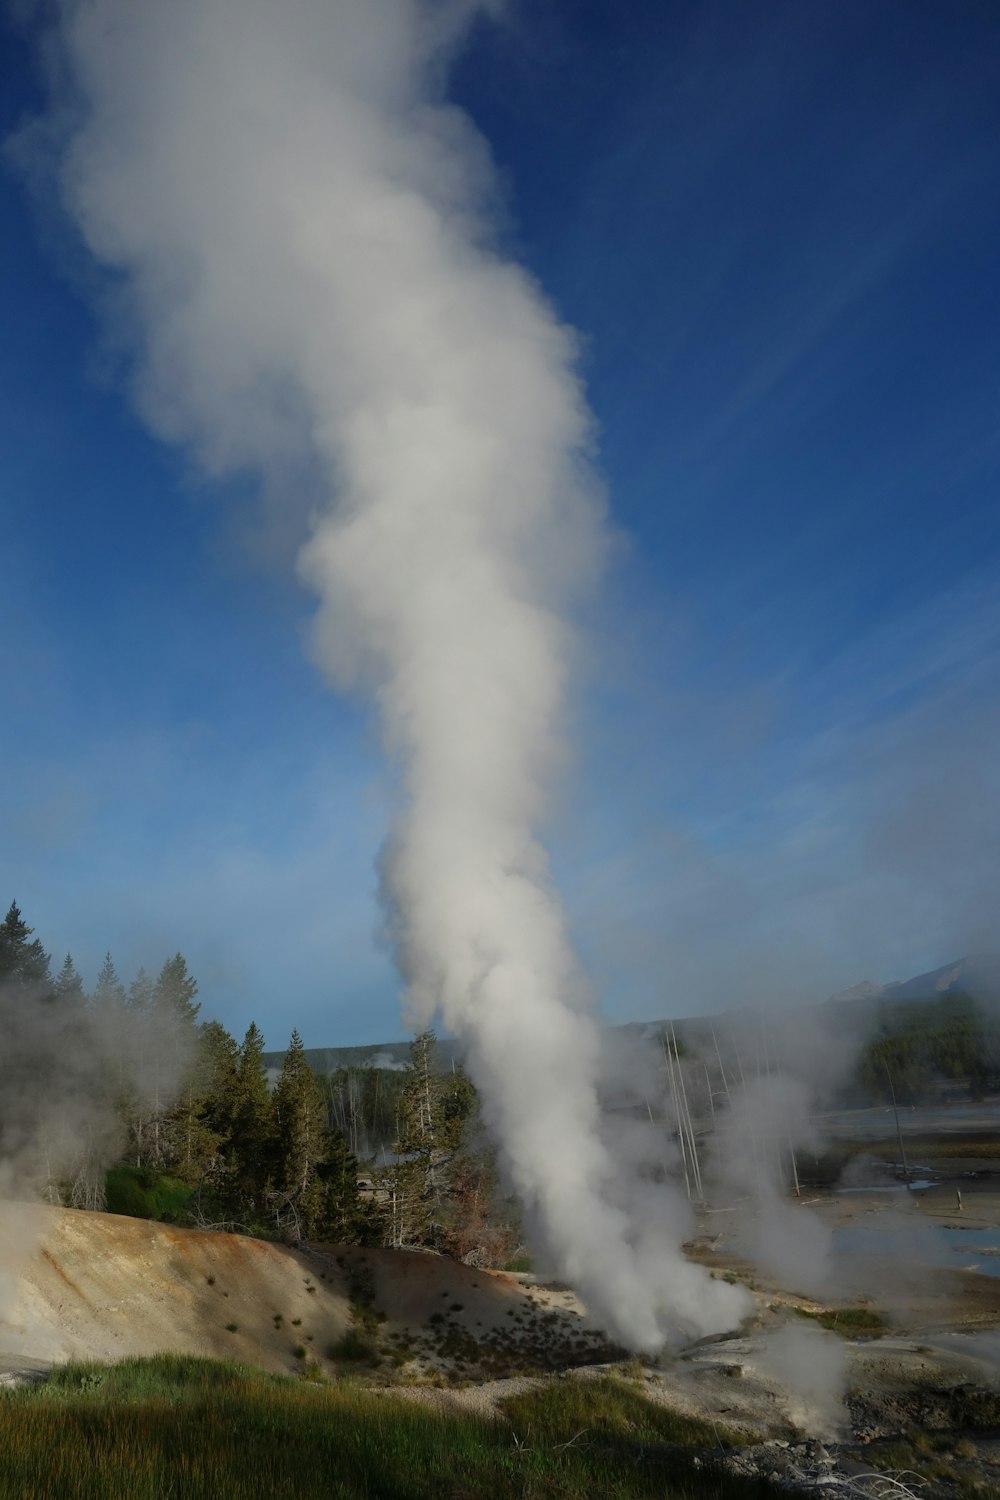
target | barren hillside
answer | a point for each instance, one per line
(79, 1285)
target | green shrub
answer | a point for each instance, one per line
(142, 1193)
(356, 1346)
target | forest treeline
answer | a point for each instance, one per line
(123, 1098)
(923, 1045)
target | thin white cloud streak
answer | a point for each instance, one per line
(300, 225)
(857, 838)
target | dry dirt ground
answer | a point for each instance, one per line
(79, 1285)
(100, 1286)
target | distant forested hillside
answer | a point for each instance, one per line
(929, 1043)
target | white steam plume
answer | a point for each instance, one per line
(810, 1368)
(302, 230)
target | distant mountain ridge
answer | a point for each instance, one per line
(977, 976)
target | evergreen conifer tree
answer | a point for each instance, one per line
(139, 1000)
(187, 1144)
(139, 1103)
(109, 992)
(108, 1016)
(302, 1138)
(342, 1216)
(433, 1109)
(68, 988)
(28, 1060)
(174, 1016)
(23, 961)
(218, 1061)
(203, 1116)
(251, 1136)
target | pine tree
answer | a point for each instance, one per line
(342, 1217)
(315, 1186)
(218, 1061)
(433, 1109)
(203, 1118)
(139, 1000)
(139, 1097)
(302, 1139)
(28, 1063)
(68, 988)
(108, 1019)
(108, 999)
(142, 1041)
(173, 1038)
(193, 1144)
(174, 1012)
(215, 1084)
(251, 1135)
(22, 963)
(68, 1037)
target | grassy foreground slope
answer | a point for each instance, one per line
(192, 1429)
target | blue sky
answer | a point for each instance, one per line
(776, 230)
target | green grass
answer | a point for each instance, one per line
(521, 1263)
(852, 1322)
(174, 1428)
(826, 1169)
(611, 1412)
(979, 1143)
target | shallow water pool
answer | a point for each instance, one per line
(931, 1244)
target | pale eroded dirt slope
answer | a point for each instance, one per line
(77, 1285)
(100, 1286)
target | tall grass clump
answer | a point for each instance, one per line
(612, 1413)
(173, 1428)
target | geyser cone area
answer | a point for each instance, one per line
(105, 1287)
